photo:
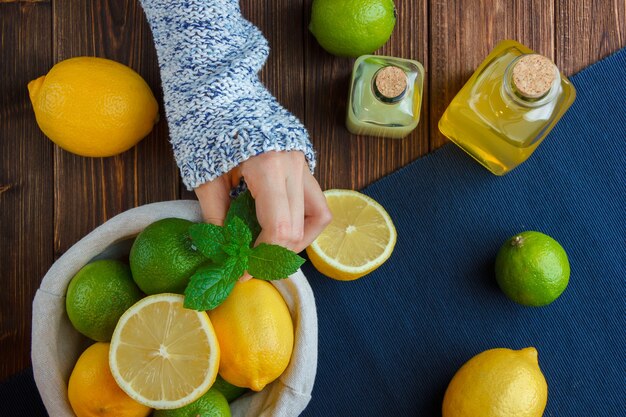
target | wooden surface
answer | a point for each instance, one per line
(49, 198)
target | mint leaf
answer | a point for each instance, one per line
(209, 240)
(238, 233)
(243, 207)
(207, 288)
(270, 262)
(234, 267)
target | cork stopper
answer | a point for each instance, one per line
(390, 82)
(533, 75)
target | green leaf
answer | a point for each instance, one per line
(243, 207)
(270, 262)
(208, 288)
(209, 240)
(238, 233)
(235, 267)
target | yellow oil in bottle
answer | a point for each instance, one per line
(496, 122)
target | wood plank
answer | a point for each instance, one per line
(88, 191)
(283, 73)
(462, 34)
(345, 160)
(587, 31)
(26, 198)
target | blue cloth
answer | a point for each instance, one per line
(390, 342)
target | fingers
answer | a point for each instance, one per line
(214, 200)
(272, 209)
(295, 195)
(275, 181)
(317, 214)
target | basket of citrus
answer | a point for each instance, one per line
(145, 315)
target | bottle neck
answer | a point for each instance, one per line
(527, 86)
(390, 84)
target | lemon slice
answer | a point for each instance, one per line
(162, 354)
(359, 239)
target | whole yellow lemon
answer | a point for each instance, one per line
(92, 391)
(93, 106)
(498, 383)
(255, 332)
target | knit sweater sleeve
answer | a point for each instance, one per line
(219, 113)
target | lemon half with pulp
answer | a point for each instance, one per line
(164, 355)
(359, 239)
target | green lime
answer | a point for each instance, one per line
(98, 295)
(211, 404)
(352, 27)
(162, 258)
(230, 391)
(532, 269)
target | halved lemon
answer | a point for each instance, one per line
(360, 238)
(162, 354)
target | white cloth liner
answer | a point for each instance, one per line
(56, 345)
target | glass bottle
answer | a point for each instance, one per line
(385, 96)
(507, 107)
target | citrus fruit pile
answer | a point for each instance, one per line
(152, 353)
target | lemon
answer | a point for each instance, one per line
(532, 269)
(352, 27)
(360, 238)
(498, 383)
(97, 297)
(255, 332)
(211, 404)
(162, 258)
(163, 355)
(92, 391)
(93, 106)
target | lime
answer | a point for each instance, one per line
(532, 269)
(230, 391)
(211, 404)
(98, 295)
(162, 258)
(352, 27)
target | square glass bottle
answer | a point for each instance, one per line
(507, 107)
(385, 96)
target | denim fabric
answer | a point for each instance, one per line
(390, 342)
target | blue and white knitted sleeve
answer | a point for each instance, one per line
(218, 111)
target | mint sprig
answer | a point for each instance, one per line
(229, 254)
(270, 262)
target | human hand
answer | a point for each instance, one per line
(290, 205)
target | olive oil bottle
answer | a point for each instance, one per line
(507, 107)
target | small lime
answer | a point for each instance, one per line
(352, 27)
(211, 404)
(162, 258)
(532, 269)
(98, 295)
(230, 391)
